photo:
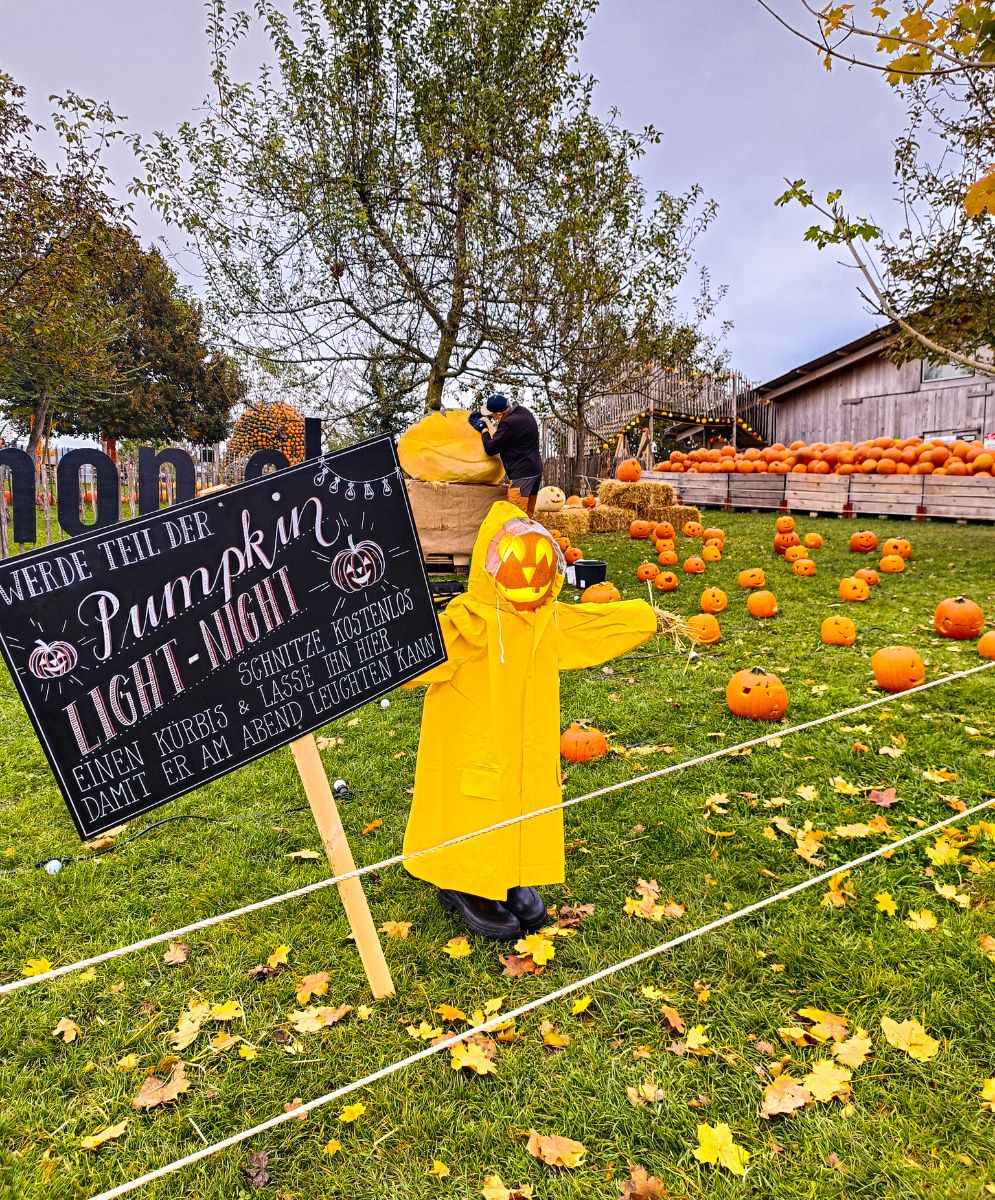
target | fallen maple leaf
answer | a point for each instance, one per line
(988, 1094)
(885, 902)
(279, 958)
(67, 1029)
(644, 1094)
(716, 1147)
(425, 1032)
(189, 1023)
(554, 1150)
(438, 1169)
(883, 799)
(855, 1051)
(255, 1171)
(312, 985)
(785, 1094)
(35, 966)
(106, 1134)
(448, 1013)
(222, 1042)
(396, 929)
(696, 1042)
(910, 1037)
(939, 776)
(495, 1189)
(517, 965)
(825, 1026)
(229, 1010)
(642, 1186)
(949, 892)
(827, 1081)
(128, 1063)
(539, 946)
(470, 1056)
(580, 1004)
(924, 920)
(351, 1113)
(552, 1037)
(793, 1035)
(176, 954)
(839, 892)
(297, 1102)
(332, 1147)
(304, 855)
(673, 1018)
(311, 1019)
(162, 1091)
(458, 947)
(844, 787)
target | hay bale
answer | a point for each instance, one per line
(574, 522)
(608, 519)
(677, 514)
(644, 499)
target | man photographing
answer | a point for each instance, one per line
(512, 432)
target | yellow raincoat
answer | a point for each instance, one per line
(490, 733)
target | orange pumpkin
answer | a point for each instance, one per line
(804, 567)
(897, 668)
(589, 501)
(713, 535)
(794, 553)
(664, 530)
(629, 471)
(646, 572)
(711, 553)
(853, 589)
(527, 568)
(572, 501)
(720, 543)
(813, 541)
(704, 629)
(664, 544)
(785, 524)
(892, 564)
(761, 605)
(692, 529)
(958, 618)
(784, 541)
(757, 694)
(897, 546)
(986, 647)
(572, 555)
(666, 581)
(640, 529)
(581, 744)
(600, 593)
(868, 575)
(694, 566)
(838, 631)
(668, 558)
(563, 542)
(864, 542)
(274, 425)
(714, 600)
(752, 577)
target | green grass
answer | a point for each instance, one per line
(910, 1130)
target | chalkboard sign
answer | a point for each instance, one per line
(161, 653)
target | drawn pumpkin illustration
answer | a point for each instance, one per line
(526, 568)
(897, 668)
(757, 694)
(52, 660)
(359, 566)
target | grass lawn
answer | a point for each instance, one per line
(909, 1129)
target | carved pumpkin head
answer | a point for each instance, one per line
(693, 529)
(664, 530)
(711, 554)
(794, 553)
(640, 529)
(868, 575)
(892, 564)
(714, 600)
(647, 572)
(667, 558)
(897, 546)
(784, 541)
(803, 566)
(756, 694)
(897, 668)
(666, 581)
(785, 524)
(838, 631)
(813, 541)
(854, 590)
(958, 618)
(694, 565)
(551, 499)
(864, 542)
(761, 605)
(704, 629)
(752, 577)
(525, 564)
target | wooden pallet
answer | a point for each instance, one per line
(825, 494)
(959, 498)
(881, 496)
(756, 491)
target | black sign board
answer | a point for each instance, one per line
(161, 653)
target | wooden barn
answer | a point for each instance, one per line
(854, 393)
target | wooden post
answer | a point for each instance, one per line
(326, 817)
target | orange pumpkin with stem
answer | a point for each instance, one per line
(580, 743)
(629, 471)
(711, 553)
(897, 546)
(666, 581)
(757, 694)
(664, 530)
(838, 631)
(704, 629)
(693, 529)
(897, 668)
(640, 529)
(646, 572)
(572, 555)
(854, 590)
(868, 575)
(864, 542)
(813, 541)
(714, 600)
(752, 577)
(668, 558)
(785, 524)
(600, 593)
(958, 618)
(761, 605)
(694, 566)
(589, 501)
(784, 541)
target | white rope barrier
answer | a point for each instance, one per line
(258, 905)
(500, 1018)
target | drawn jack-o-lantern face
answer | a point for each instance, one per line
(526, 568)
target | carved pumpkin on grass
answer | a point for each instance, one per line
(694, 566)
(665, 530)
(714, 600)
(864, 542)
(711, 553)
(899, 546)
(666, 581)
(898, 668)
(892, 564)
(693, 529)
(580, 743)
(639, 530)
(958, 618)
(646, 572)
(784, 541)
(761, 605)
(784, 524)
(704, 629)
(813, 541)
(803, 567)
(757, 694)
(838, 631)
(752, 577)
(572, 555)
(986, 647)
(794, 553)
(854, 590)
(668, 558)
(600, 593)
(868, 575)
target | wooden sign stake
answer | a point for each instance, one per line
(326, 817)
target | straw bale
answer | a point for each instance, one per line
(643, 499)
(678, 514)
(608, 519)
(574, 522)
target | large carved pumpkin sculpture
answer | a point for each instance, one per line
(443, 448)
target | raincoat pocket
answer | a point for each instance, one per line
(482, 782)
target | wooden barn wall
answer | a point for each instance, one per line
(875, 398)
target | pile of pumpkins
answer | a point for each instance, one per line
(571, 554)
(553, 499)
(880, 456)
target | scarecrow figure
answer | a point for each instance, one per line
(490, 734)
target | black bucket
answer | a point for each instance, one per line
(590, 570)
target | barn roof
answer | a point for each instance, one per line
(828, 364)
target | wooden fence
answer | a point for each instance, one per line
(918, 497)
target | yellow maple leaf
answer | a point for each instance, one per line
(438, 1169)
(858, 830)
(279, 958)
(552, 1037)
(839, 891)
(312, 985)
(425, 1032)
(541, 948)
(807, 792)
(128, 1063)
(944, 853)
(826, 1080)
(939, 775)
(716, 1147)
(910, 1037)
(696, 1041)
(793, 1035)
(580, 1004)
(364, 1012)
(949, 892)
(784, 1094)
(351, 1113)
(247, 1052)
(924, 920)
(826, 1026)
(843, 786)
(885, 902)
(855, 1051)
(333, 1147)
(555, 1150)
(107, 1134)
(230, 1010)
(448, 1013)
(646, 1093)
(470, 1056)
(396, 929)
(980, 196)
(67, 1029)
(988, 1094)
(653, 993)
(35, 966)
(458, 947)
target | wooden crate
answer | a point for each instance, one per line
(887, 496)
(756, 491)
(702, 491)
(962, 498)
(817, 493)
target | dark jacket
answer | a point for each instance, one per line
(516, 440)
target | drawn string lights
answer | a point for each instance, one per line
(353, 489)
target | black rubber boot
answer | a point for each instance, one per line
(486, 918)
(529, 907)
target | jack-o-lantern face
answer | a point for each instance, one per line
(525, 564)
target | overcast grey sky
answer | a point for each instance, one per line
(740, 102)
